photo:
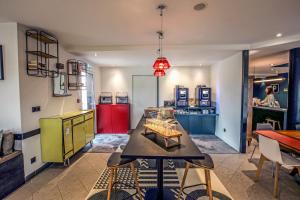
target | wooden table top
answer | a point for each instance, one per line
(291, 133)
(289, 142)
(152, 147)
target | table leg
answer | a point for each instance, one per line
(160, 178)
(159, 193)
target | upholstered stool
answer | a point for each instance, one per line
(207, 164)
(114, 162)
(273, 123)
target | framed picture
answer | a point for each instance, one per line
(275, 88)
(1, 64)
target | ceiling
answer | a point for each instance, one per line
(268, 65)
(122, 32)
(143, 58)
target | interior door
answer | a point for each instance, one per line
(144, 94)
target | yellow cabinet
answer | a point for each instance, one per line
(64, 135)
(89, 130)
(79, 136)
(68, 138)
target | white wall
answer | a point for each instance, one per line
(35, 91)
(10, 116)
(119, 79)
(115, 79)
(97, 82)
(187, 76)
(226, 82)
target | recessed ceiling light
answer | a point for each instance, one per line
(200, 65)
(95, 54)
(279, 35)
(200, 6)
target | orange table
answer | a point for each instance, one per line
(291, 133)
(287, 139)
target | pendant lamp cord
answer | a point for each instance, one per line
(161, 33)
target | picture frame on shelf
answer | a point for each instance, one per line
(1, 64)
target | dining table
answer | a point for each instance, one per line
(291, 133)
(289, 139)
(151, 146)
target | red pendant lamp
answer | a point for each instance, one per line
(159, 72)
(161, 63)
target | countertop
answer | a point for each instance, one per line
(69, 114)
(271, 108)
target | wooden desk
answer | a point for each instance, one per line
(285, 138)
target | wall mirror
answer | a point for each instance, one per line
(59, 85)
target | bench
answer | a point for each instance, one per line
(11, 173)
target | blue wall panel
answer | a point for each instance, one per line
(294, 89)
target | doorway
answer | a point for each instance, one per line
(144, 94)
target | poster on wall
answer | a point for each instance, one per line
(275, 88)
(1, 64)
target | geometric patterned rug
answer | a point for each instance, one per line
(147, 179)
(108, 143)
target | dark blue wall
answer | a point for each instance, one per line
(294, 89)
(281, 97)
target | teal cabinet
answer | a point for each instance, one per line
(183, 119)
(198, 124)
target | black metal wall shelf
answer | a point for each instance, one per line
(41, 47)
(42, 54)
(42, 36)
(76, 71)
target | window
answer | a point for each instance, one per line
(87, 93)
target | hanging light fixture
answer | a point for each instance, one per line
(159, 72)
(161, 63)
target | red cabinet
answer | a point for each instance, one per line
(113, 118)
(104, 122)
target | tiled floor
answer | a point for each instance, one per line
(234, 171)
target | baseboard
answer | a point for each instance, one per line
(36, 172)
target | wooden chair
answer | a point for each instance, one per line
(270, 150)
(207, 164)
(114, 162)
